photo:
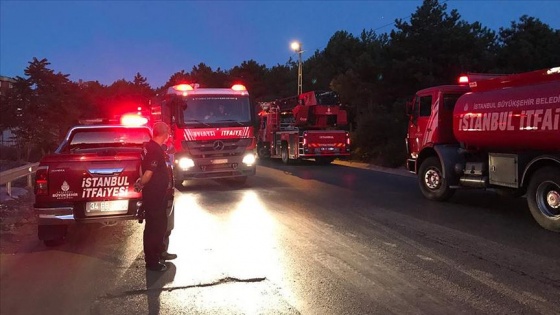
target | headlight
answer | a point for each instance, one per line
(249, 159)
(185, 163)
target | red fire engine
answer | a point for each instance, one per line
(306, 126)
(212, 132)
(501, 133)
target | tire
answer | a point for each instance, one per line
(432, 183)
(543, 197)
(284, 153)
(263, 151)
(52, 235)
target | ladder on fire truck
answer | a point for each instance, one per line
(273, 118)
(300, 147)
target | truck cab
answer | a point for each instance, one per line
(431, 120)
(212, 132)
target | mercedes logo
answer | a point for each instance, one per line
(218, 145)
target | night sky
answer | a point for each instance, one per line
(110, 40)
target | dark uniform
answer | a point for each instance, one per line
(154, 202)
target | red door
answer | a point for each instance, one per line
(420, 125)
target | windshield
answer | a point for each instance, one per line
(449, 100)
(114, 137)
(217, 109)
(327, 98)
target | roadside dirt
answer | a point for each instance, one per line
(17, 220)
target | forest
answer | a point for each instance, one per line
(374, 74)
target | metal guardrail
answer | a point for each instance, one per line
(7, 177)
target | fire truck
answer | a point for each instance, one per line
(308, 126)
(498, 133)
(212, 132)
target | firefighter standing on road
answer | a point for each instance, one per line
(153, 184)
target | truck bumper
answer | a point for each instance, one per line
(55, 216)
(214, 168)
(210, 172)
(324, 154)
(66, 215)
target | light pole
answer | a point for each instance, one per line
(296, 46)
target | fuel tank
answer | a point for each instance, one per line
(518, 112)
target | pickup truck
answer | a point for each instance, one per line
(90, 179)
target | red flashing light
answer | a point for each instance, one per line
(239, 87)
(463, 80)
(133, 120)
(183, 87)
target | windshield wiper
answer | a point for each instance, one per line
(230, 120)
(197, 121)
(130, 144)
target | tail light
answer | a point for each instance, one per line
(41, 181)
(347, 141)
(305, 139)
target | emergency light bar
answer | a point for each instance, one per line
(189, 89)
(239, 87)
(463, 80)
(183, 87)
(133, 120)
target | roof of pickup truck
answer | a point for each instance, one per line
(100, 137)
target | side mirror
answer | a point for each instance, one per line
(410, 112)
(178, 102)
(168, 149)
(409, 108)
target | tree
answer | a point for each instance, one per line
(123, 96)
(279, 82)
(46, 105)
(251, 74)
(528, 45)
(206, 77)
(434, 48)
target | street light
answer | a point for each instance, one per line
(296, 46)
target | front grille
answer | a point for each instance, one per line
(216, 148)
(215, 167)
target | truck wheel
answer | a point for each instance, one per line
(263, 151)
(543, 197)
(52, 235)
(284, 154)
(432, 183)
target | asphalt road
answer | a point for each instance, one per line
(301, 239)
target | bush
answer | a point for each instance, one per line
(9, 153)
(379, 137)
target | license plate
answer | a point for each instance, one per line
(103, 207)
(219, 161)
